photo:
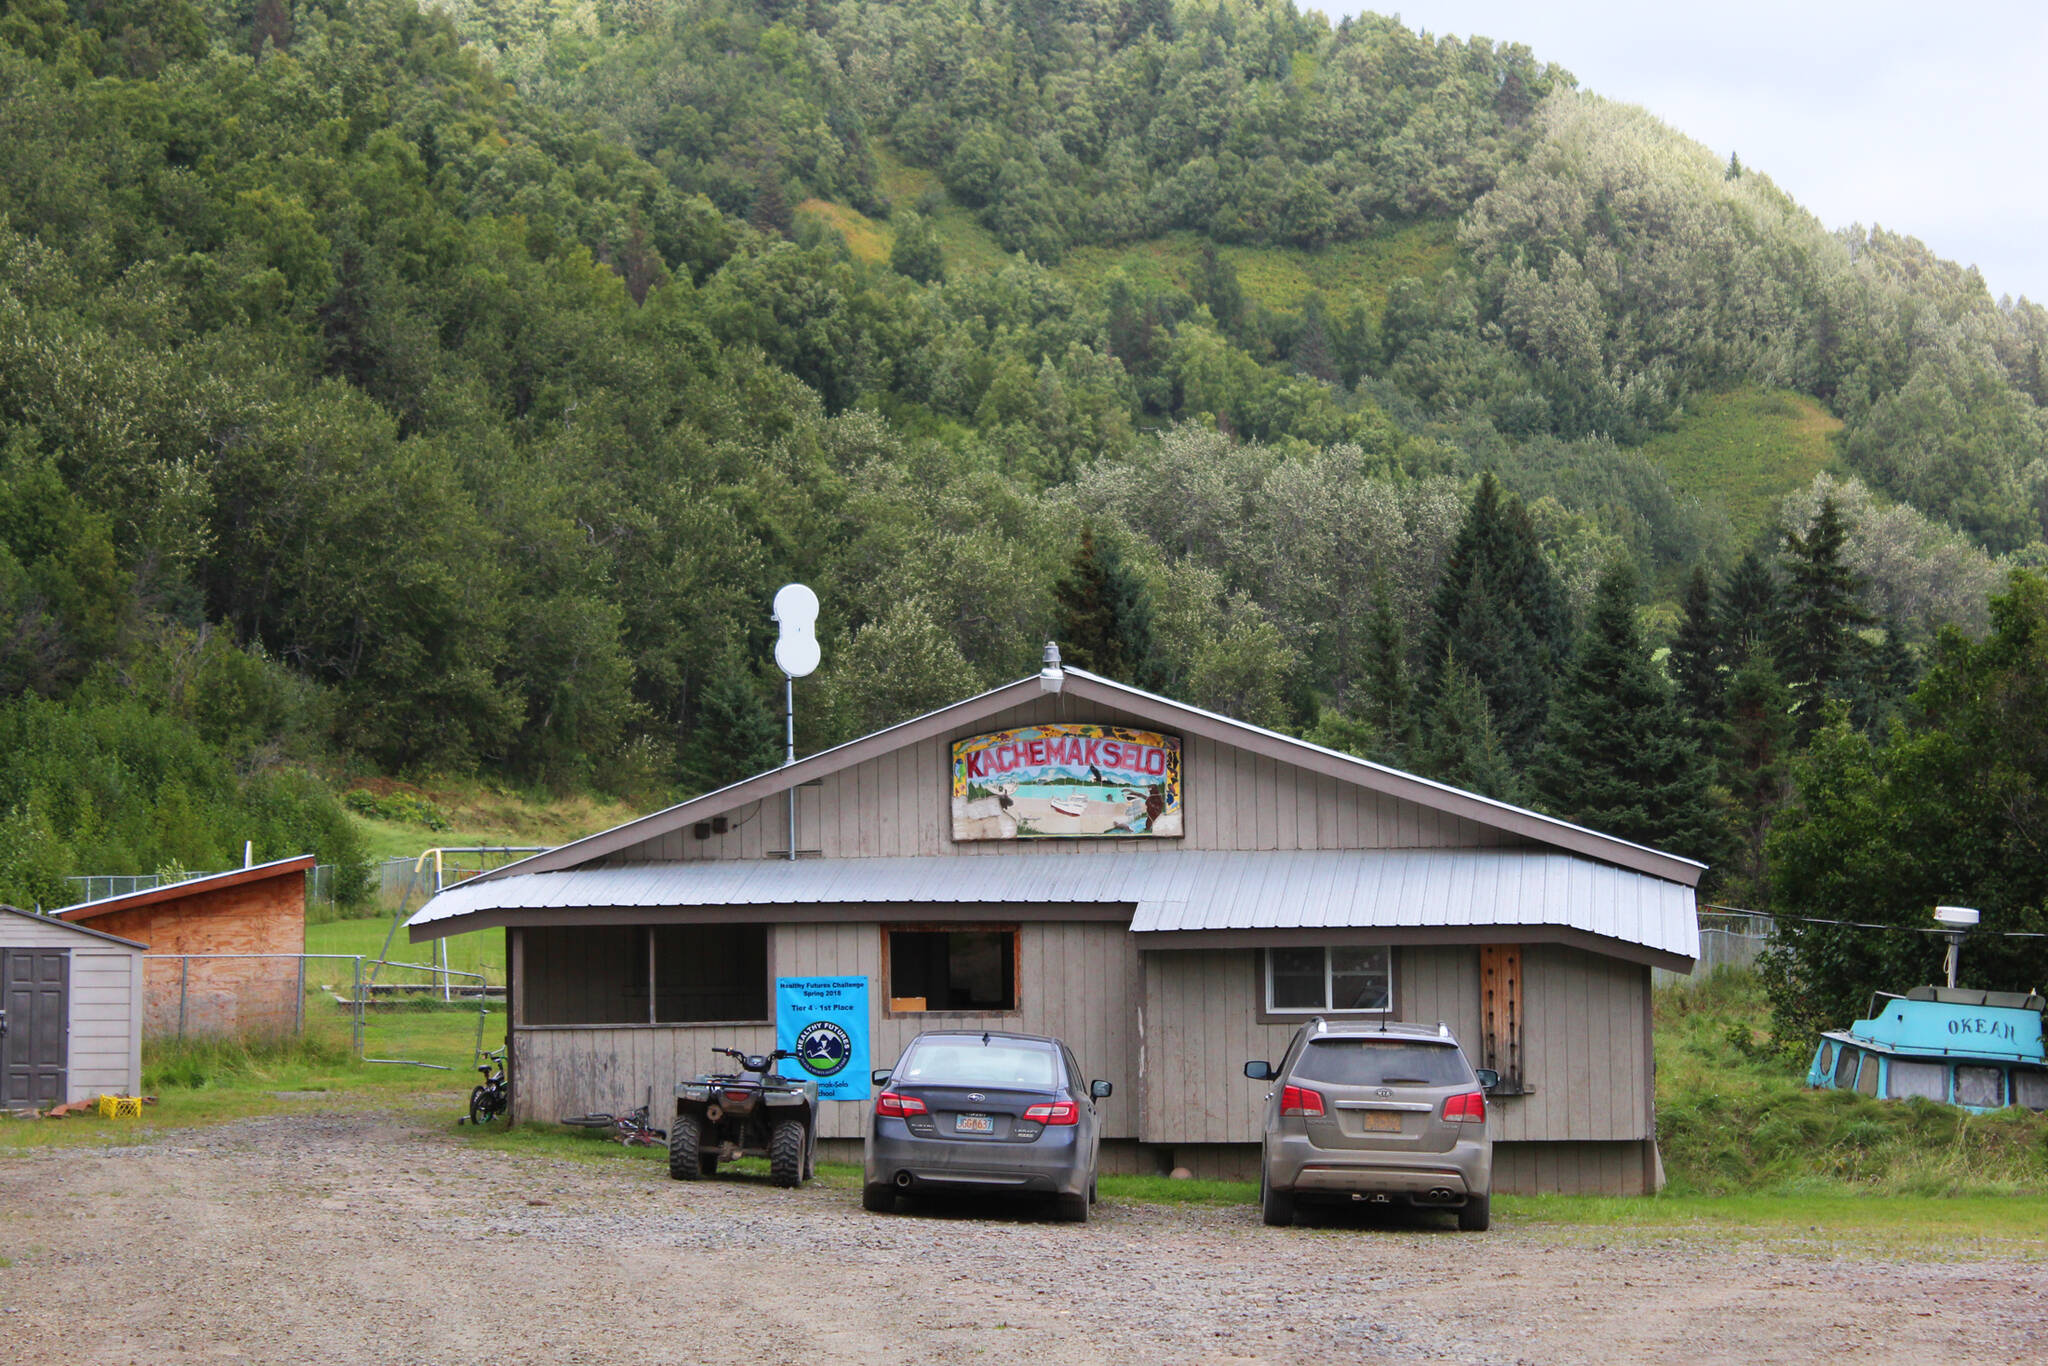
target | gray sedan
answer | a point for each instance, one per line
(974, 1111)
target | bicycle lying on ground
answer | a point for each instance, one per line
(633, 1129)
(491, 1099)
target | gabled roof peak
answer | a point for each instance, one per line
(1082, 685)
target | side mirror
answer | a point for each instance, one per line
(881, 1076)
(1099, 1090)
(1259, 1071)
(1488, 1078)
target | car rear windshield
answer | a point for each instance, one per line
(970, 1062)
(1383, 1062)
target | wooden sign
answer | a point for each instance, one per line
(1066, 781)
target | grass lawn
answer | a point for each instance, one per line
(479, 951)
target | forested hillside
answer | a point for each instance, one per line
(388, 390)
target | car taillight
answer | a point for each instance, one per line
(899, 1106)
(1469, 1108)
(1054, 1112)
(1299, 1100)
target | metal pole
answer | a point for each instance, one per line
(789, 753)
(184, 975)
(299, 1010)
(356, 992)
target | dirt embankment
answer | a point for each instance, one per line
(368, 1238)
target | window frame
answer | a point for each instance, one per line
(1285, 1014)
(890, 995)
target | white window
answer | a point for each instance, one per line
(1330, 981)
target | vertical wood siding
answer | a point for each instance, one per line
(899, 804)
(1077, 981)
(1585, 1048)
(1585, 1041)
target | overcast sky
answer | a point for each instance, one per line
(1931, 119)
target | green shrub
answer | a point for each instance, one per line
(406, 808)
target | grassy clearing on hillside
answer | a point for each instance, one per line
(1743, 451)
(480, 814)
(1277, 277)
(867, 239)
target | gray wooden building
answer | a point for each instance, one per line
(1171, 891)
(72, 1003)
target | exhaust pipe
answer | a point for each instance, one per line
(1442, 1195)
(903, 1181)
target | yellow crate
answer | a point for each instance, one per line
(120, 1107)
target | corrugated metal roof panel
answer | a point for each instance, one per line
(1180, 892)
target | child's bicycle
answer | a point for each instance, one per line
(633, 1129)
(491, 1099)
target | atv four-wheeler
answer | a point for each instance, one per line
(723, 1116)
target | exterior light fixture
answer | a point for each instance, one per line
(1052, 677)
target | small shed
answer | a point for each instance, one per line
(225, 950)
(1172, 891)
(70, 1012)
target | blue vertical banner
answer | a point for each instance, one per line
(824, 1021)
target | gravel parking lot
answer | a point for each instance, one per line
(374, 1238)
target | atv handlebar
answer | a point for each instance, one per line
(755, 1062)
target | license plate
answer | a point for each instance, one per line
(1382, 1122)
(974, 1124)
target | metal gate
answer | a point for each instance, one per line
(35, 1026)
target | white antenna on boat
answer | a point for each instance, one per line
(1958, 921)
(796, 654)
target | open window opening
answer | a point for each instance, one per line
(933, 969)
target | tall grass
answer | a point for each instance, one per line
(1734, 1116)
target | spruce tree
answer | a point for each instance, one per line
(1819, 616)
(1460, 746)
(1500, 612)
(737, 732)
(1103, 615)
(1618, 757)
(1748, 609)
(1755, 765)
(1389, 708)
(1696, 653)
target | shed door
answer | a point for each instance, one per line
(35, 994)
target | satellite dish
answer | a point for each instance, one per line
(796, 611)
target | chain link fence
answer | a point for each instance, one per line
(263, 995)
(1727, 939)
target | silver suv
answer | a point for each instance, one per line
(1378, 1112)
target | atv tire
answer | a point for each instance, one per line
(786, 1153)
(686, 1148)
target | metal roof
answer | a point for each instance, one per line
(1169, 890)
(191, 886)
